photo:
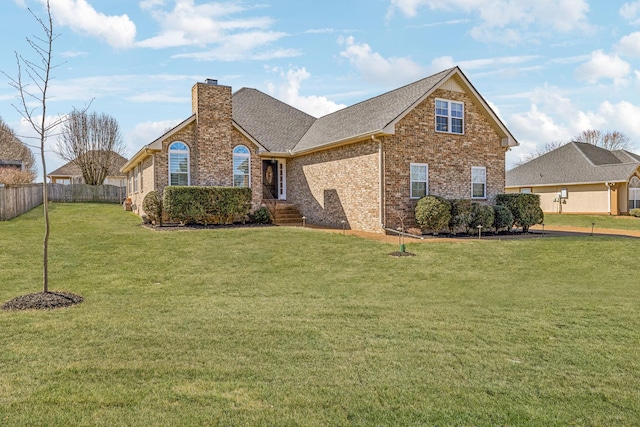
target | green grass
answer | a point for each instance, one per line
(282, 326)
(599, 221)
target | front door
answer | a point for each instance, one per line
(270, 179)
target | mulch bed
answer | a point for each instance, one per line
(42, 301)
(177, 227)
(398, 254)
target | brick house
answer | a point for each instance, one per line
(363, 166)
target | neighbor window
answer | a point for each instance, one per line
(449, 116)
(525, 190)
(634, 193)
(478, 182)
(241, 166)
(419, 180)
(179, 164)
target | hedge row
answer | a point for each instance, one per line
(206, 205)
(520, 210)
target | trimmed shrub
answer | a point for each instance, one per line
(261, 216)
(525, 209)
(480, 215)
(460, 214)
(206, 205)
(152, 206)
(433, 213)
(635, 212)
(502, 218)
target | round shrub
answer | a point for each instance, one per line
(635, 212)
(480, 215)
(152, 206)
(261, 216)
(460, 213)
(433, 213)
(502, 218)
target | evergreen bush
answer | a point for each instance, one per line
(433, 213)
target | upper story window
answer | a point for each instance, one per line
(419, 180)
(478, 182)
(241, 160)
(449, 116)
(179, 164)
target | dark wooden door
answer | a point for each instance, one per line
(270, 178)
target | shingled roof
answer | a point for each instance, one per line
(575, 163)
(72, 169)
(280, 128)
(275, 125)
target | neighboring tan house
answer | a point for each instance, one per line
(362, 167)
(580, 178)
(70, 173)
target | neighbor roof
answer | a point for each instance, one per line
(575, 163)
(71, 169)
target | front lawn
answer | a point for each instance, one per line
(290, 326)
(599, 221)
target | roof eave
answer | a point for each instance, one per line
(339, 143)
(613, 181)
(145, 152)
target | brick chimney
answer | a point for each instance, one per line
(211, 104)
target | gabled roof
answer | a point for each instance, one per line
(281, 128)
(575, 163)
(72, 169)
(275, 125)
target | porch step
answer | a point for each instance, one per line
(287, 214)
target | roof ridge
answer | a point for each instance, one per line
(275, 99)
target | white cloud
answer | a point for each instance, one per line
(146, 132)
(603, 66)
(631, 12)
(289, 92)
(630, 45)
(215, 28)
(503, 20)
(81, 17)
(375, 68)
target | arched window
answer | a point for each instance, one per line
(241, 167)
(179, 164)
(634, 193)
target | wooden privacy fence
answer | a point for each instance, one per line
(18, 199)
(87, 193)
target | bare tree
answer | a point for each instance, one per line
(591, 136)
(11, 148)
(33, 95)
(611, 140)
(93, 142)
(540, 150)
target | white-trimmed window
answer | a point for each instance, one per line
(241, 166)
(634, 193)
(449, 116)
(179, 168)
(478, 182)
(136, 171)
(525, 190)
(419, 180)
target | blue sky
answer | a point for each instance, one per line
(549, 68)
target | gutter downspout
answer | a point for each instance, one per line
(608, 197)
(381, 181)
